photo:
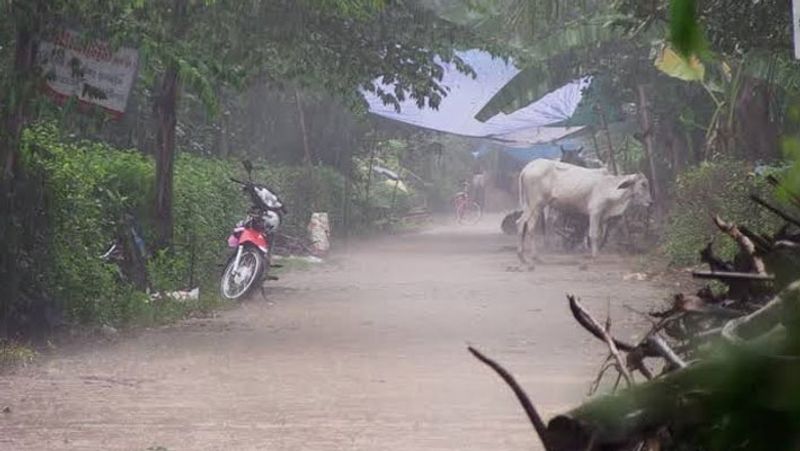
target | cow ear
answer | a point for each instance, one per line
(626, 184)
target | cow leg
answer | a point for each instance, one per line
(595, 230)
(527, 226)
(522, 231)
(605, 232)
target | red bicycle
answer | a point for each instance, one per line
(467, 210)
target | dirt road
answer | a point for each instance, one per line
(365, 353)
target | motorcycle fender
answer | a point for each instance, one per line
(255, 238)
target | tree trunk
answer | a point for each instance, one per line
(15, 116)
(612, 159)
(307, 161)
(369, 180)
(647, 131)
(165, 112)
(222, 143)
(755, 128)
(14, 119)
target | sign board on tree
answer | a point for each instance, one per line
(91, 71)
(796, 27)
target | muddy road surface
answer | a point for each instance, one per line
(367, 352)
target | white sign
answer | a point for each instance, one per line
(91, 71)
(796, 27)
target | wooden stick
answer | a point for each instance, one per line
(744, 243)
(591, 326)
(605, 367)
(725, 275)
(669, 355)
(785, 216)
(762, 243)
(786, 244)
(527, 405)
(612, 346)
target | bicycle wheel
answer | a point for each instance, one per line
(469, 213)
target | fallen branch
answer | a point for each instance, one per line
(527, 405)
(762, 243)
(764, 319)
(786, 244)
(775, 210)
(726, 275)
(604, 333)
(745, 243)
(664, 349)
(635, 360)
(591, 326)
(607, 365)
(714, 263)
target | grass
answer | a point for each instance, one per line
(292, 263)
(13, 355)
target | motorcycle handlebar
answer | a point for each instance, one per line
(281, 209)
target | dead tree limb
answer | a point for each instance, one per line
(775, 210)
(635, 360)
(714, 262)
(591, 326)
(606, 336)
(744, 243)
(664, 349)
(762, 243)
(725, 275)
(786, 244)
(607, 364)
(522, 397)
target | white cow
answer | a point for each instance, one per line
(593, 192)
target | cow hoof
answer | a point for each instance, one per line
(531, 267)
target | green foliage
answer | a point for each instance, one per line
(89, 187)
(711, 188)
(685, 33)
(14, 354)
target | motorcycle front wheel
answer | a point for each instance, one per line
(239, 282)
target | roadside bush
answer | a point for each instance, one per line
(86, 188)
(722, 188)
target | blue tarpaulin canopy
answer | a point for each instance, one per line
(467, 95)
(522, 155)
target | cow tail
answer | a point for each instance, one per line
(523, 196)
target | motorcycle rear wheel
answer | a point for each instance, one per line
(236, 285)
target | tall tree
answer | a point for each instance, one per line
(340, 47)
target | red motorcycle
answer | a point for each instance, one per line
(252, 238)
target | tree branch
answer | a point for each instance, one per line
(606, 336)
(591, 326)
(527, 405)
(744, 243)
(664, 349)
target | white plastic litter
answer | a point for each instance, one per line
(319, 231)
